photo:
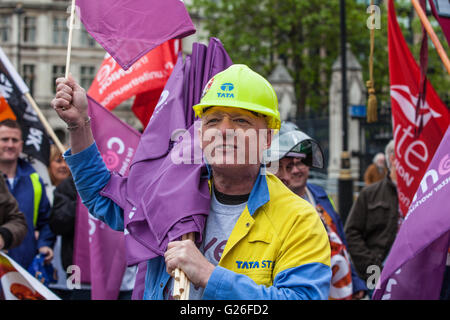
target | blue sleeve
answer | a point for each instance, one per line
(307, 282)
(91, 176)
(46, 236)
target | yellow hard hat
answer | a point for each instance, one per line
(240, 87)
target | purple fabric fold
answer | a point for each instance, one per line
(167, 193)
(98, 250)
(127, 29)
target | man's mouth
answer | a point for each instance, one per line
(225, 147)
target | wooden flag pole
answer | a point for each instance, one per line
(45, 123)
(69, 41)
(181, 283)
(440, 50)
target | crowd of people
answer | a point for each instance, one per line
(281, 237)
(38, 217)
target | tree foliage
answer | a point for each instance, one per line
(305, 36)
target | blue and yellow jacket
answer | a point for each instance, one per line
(278, 248)
(29, 191)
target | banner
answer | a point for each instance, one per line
(413, 150)
(17, 284)
(14, 105)
(145, 80)
(341, 279)
(127, 30)
(98, 248)
(415, 265)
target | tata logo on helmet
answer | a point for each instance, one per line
(226, 87)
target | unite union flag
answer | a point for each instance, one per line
(414, 148)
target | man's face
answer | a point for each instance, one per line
(293, 173)
(10, 144)
(233, 137)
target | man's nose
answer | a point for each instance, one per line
(10, 143)
(226, 126)
(295, 170)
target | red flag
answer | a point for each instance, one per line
(147, 77)
(413, 152)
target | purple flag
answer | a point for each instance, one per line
(415, 266)
(128, 29)
(97, 247)
(166, 194)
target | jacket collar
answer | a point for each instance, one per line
(23, 168)
(259, 195)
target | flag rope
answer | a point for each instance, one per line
(437, 44)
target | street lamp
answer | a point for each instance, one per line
(19, 11)
(345, 182)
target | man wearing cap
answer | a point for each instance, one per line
(294, 153)
(261, 241)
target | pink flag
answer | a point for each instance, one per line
(414, 148)
(127, 29)
(99, 251)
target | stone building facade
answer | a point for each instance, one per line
(40, 54)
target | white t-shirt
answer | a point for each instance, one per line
(220, 223)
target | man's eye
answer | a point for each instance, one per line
(240, 120)
(211, 121)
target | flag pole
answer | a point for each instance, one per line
(45, 123)
(440, 50)
(181, 284)
(69, 41)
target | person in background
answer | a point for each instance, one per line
(377, 170)
(57, 171)
(62, 222)
(28, 189)
(13, 226)
(374, 220)
(295, 153)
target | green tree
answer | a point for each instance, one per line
(305, 36)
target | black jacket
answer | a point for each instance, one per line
(372, 225)
(13, 226)
(62, 218)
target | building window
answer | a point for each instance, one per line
(29, 29)
(29, 76)
(87, 75)
(5, 28)
(86, 39)
(60, 32)
(57, 72)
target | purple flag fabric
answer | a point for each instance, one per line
(128, 29)
(166, 193)
(97, 247)
(415, 266)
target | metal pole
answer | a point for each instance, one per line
(19, 11)
(345, 183)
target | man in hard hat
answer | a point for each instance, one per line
(261, 241)
(294, 153)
